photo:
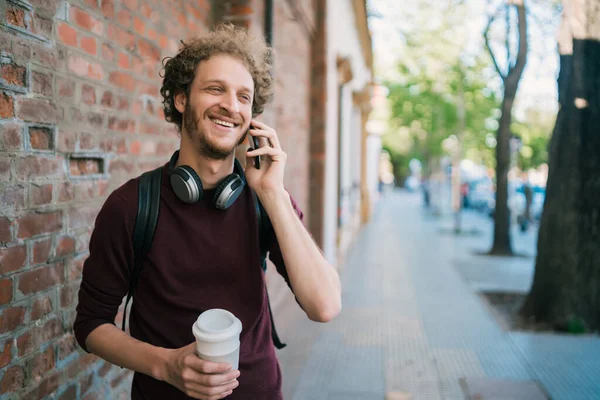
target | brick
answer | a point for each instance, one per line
(16, 17)
(13, 379)
(105, 369)
(123, 60)
(66, 87)
(131, 4)
(40, 138)
(48, 57)
(37, 110)
(67, 141)
(108, 53)
(11, 318)
(37, 336)
(119, 166)
(6, 353)
(13, 74)
(38, 167)
(41, 250)
(75, 268)
(122, 80)
(108, 8)
(86, 382)
(86, 166)
(6, 293)
(10, 136)
(48, 5)
(149, 50)
(80, 364)
(124, 18)
(66, 245)
(5, 169)
(42, 83)
(42, 306)
(84, 68)
(88, 94)
(68, 296)
(46, 387)
(12, 258)
(7, 106)
(82, 217)
(21, 49)
(69, 394)
(87, 141)
(42, 26)
(5, 233)
(86, 21)
(88, 44)
(93, 3)
(13, 196)
(42, 363)
(67, 34)
(121, 37)
(41, 278)
(138, 26)
(38, 223)
(66, 346)
(40, 194)
(65, 192)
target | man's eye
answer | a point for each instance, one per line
(215, 89)
(246, 97)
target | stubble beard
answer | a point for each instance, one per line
(200, 140)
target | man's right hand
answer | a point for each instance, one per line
(197, 378)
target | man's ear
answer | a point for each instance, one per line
(179, 101)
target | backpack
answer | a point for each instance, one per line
(145, 225)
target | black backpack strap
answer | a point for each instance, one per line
(264, 234)
(145, 225)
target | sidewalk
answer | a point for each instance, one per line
(412, 324)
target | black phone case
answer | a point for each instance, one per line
(257, 158)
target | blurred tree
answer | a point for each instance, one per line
(510, 79)
(566, 286)
(424, 111)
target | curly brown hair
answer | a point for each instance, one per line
(179, 71)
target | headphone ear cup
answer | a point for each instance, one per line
(228, 191)
(186, 184)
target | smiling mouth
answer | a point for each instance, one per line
(225, 124)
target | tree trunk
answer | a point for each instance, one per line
(566, 285)
(502, 243)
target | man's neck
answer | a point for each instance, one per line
(210, 171)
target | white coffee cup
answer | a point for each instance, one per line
(217, 334)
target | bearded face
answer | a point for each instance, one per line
(218, 109)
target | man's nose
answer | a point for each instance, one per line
(230, 103)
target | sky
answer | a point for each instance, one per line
(392, 20)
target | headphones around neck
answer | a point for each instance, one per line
(188, 187)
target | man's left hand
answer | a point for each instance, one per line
(269, 178)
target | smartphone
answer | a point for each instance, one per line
(256, 144)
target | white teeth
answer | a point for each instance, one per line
(219, 122)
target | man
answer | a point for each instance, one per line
(203, 257)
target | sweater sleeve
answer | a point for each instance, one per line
(275, 252)
(105, 279)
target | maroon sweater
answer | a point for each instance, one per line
(201, 258)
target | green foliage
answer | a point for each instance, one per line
(425, 111)
(534, 131)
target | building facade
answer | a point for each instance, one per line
(81, 113)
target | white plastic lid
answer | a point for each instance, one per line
(218, 331)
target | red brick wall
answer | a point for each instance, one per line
(80, 113)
